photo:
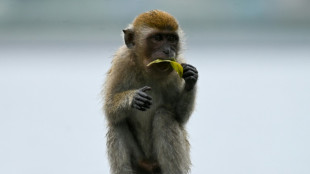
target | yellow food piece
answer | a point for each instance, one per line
(175, 65)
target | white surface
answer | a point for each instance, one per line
(252, 113)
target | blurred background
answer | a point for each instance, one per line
(253, 108)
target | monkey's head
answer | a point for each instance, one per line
(154, 35)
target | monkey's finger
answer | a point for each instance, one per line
(144, 95)
(190, 73)
(146, 106)
(189, 65)
(146, 88)
(144, 100)
(147, 103)
(136, 106)
(191, 80)
(139, 103)
(143, 103)
(190, 68)
(184, 65)
(141, 108)
(193, 77)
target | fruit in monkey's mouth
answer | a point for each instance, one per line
(175, 65)
(164, 66)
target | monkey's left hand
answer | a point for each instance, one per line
(190, 75)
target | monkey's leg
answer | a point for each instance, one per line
(171, 147)
(122, 149)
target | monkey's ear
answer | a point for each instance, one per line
(129, 38)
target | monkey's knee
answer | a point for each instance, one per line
(148, 167)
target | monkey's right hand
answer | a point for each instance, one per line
(141, 100)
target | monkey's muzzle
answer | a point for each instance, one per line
(165, 65)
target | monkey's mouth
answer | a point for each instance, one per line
(163, 66)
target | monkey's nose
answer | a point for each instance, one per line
(167, 51)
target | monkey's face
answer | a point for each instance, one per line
(161, 45)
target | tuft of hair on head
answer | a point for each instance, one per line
(156, 19)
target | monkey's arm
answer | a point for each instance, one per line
(186, 102)
(118, 105)
(185, 105)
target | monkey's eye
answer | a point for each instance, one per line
(158, 37)
(172, 38)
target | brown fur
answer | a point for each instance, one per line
(156, 19)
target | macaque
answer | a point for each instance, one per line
(147, 107)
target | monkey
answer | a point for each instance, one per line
(147, 107)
